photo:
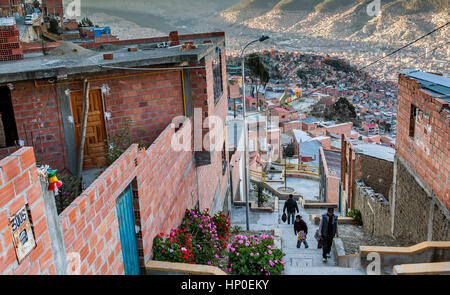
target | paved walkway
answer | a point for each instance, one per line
(307, 261)
(298, 261)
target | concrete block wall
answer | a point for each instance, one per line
(376, 216)
(417, 215)
(376, 173)
(20, 185)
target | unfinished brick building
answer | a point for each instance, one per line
(422, 169)
(414, 183)
(43, 94)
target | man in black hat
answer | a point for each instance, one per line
(291, 207)
(327, 230)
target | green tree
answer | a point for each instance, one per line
(257, 71)
(341, 111)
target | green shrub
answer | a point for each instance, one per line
(355, 214)
(120, 142)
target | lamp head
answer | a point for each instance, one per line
(263, 38)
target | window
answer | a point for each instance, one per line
(217, 75)
(412, 120)
(8, 128)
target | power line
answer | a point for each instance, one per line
(419, 56)
(404, 46)
(393, 52)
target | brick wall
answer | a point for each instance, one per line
(38, 121)
(90, 224)
(339, 129)
(150, 100)
(19, 185)
(427, 152)
(54, 7)
(166, 186)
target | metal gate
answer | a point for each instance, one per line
(125, 215)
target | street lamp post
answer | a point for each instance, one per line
(246, 176)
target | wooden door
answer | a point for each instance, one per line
(95, 145)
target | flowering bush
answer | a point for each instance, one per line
(175, 247)
(254, 256)
(207, 245)
(223, 224)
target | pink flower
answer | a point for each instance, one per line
(209, 262)
(232, 249)
(217, 256)
(237, 253)
(270, 252)
(251, 254)
(271, 262)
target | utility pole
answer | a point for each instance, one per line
(245, 127)
(84, 117)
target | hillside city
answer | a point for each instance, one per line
(236, 148)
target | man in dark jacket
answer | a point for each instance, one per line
(291, 207)
(327, 230)
(300, 225)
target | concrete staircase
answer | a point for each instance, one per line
(307, 261)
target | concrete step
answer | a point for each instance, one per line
(322, 270)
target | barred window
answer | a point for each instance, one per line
(217, 75)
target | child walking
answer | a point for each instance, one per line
(300, 230)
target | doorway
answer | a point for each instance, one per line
(95, 145)
(8, 128)
(127, 229)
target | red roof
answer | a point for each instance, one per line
(283, 110)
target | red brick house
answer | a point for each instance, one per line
(422, 159)
(149, 86)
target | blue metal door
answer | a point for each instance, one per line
(125, 215)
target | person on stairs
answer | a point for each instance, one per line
(327, 230)
(300, 230)
(291, 207)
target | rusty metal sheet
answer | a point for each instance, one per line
(22, 232)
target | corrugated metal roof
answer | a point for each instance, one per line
(435, 84)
